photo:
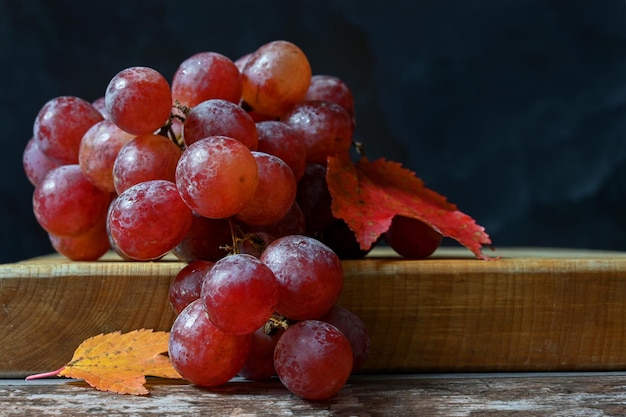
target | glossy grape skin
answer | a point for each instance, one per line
(313, 359)
(144, 158)
(207, 240)
(217, 176)
(187, 284)
(203, 354)
(275, 192)
(138, 100)
(240, 293)
(36, 165)
(204, 76)
(260, 361)
(66, 203)
(332, 89)
(326, 129)
(274, 78)
(60, 126)
(281, 140)
(412, 238)
(314, 199)
(89, 246)
(220, 118)
(354, 329)
(148, 219)
(309, 274)
(98, 149)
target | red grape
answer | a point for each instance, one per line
(313, 359)
(240, 293)
(89, 246)
(325, 127)
(144, 158)
(220, 118)
(353, 328)
(274, 78)
(138, 100)
(275, 192)
(148, 219)
(36, 164)
(260, 361)
(187, 285)
(280, 139)
(333, 89)
(207, 240)
(60, 126)
(309, 275)
(66, 203)
(98, 150)
(412, 238)
(204, 76)
(314, 199)
(203, 354)
(217, 176)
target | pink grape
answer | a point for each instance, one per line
(274, 78)
(217, 176)
(309, 274)
(203, 354)
(138, 100)
(187, 284)
(148, 219)
(97, 152)
(220, 118)
(326, 129)
(281, 140)
(36, 164)
(313, 359)
(204, 76)
(240, 293)
(354, 329)
(207, 240)
(66, 203)
(60, 126)
(275, 192)
(144, 158)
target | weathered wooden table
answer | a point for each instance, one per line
(449, 395)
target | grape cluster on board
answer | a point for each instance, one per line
(225, 168)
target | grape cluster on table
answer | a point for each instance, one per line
(224, 167)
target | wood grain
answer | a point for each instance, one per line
(532, 310)
(530, 394)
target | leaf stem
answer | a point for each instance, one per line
(45, 374)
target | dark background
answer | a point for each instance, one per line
(515, 110)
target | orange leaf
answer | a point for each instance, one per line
(367, 195)
(119, 362)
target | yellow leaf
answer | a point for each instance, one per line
(120, 362)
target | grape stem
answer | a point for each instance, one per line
(275, 322)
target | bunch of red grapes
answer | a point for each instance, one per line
(226, 169)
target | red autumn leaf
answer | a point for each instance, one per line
(367, 195)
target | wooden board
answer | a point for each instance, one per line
(532, 310)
